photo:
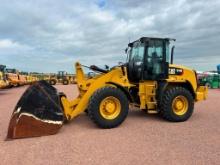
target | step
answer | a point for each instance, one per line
(152, 111)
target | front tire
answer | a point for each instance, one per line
(108, 107)
(52, 82)
(65, 82)
(177, 104)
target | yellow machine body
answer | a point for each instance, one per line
(118, 79)
(28, 122)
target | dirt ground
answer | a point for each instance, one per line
(141, 139)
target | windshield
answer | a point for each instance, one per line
(136, 53)
(2, 68)
(11, 70)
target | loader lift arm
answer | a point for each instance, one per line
(86, 88)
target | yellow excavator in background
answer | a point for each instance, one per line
(148, 80)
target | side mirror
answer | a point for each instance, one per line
(126, 50)
(120, 63)
(106, 67)
(130, 44)
(91, 74)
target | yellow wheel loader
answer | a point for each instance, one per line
(148, 80)
(12, 75)
(62, 77)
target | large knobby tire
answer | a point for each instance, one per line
(102, 101)
(177, 104)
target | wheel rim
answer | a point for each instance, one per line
(208, 85)
(180, 105)
(110, 108)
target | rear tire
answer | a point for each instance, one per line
(177, 104)
(118, 113)
(86, 111)
(52, 82)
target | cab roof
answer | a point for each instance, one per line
(144, 39)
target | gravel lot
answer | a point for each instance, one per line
(141, 139)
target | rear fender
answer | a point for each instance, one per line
(123, 89)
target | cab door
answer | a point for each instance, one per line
(135, 64)
(156, 60)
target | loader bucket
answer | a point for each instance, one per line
(37, 113)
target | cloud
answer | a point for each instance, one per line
(10, 45)
(47, 36)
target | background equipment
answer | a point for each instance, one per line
(218, 68)
(211, 81)
(62, 77)
(3, 81)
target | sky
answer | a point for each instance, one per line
(48, 35)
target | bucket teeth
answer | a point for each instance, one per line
(37, 113)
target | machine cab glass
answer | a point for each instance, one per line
(148, 59)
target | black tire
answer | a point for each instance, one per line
(208, 85)
(10, 85)
(94, 103)
(86, 111)
(166, 110)
(65, 82)
(16, 85)
(52, 82)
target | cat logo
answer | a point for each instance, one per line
(175, 71)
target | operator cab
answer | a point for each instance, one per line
(148, 59)
(61, 74)
(2, 72)
(2, 68)
(9, 70)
